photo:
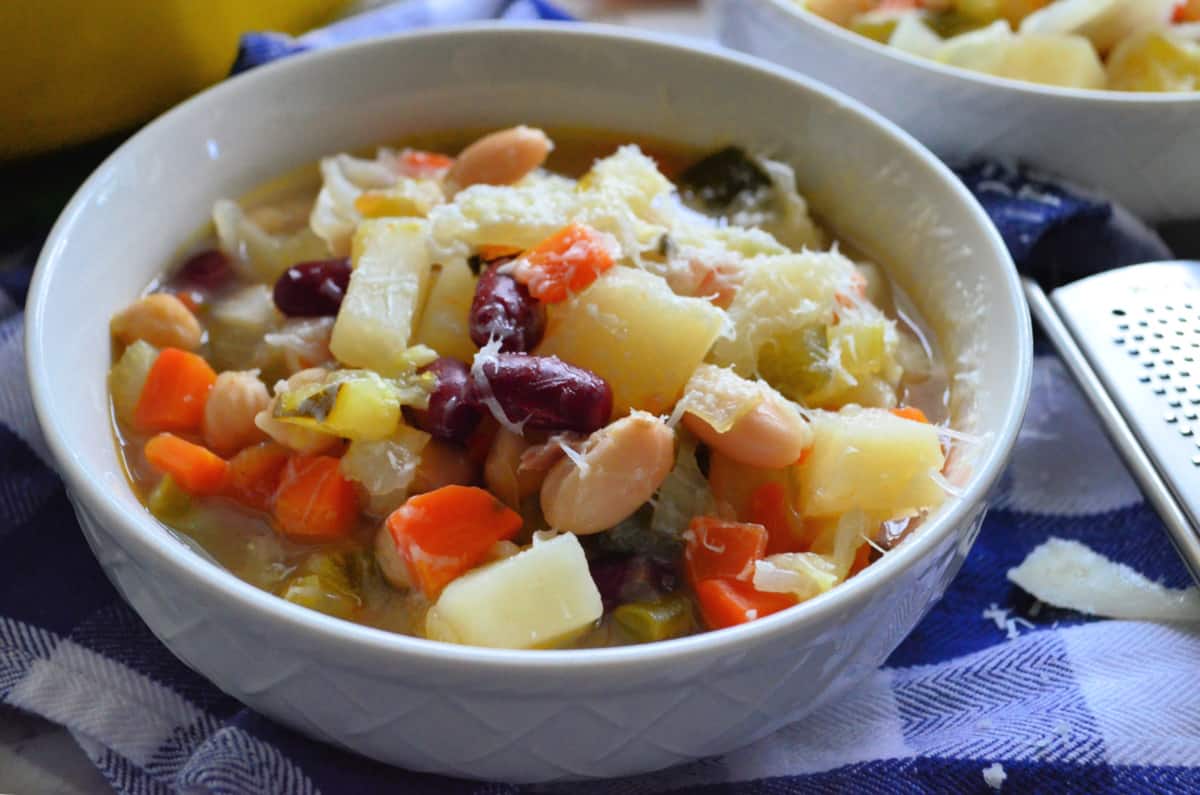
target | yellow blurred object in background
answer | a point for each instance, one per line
(73, 70)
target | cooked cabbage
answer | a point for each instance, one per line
(258, 256)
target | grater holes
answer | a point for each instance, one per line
(1119, 312)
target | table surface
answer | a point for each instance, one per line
(37, 756)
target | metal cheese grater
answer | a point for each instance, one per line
(1131, 339)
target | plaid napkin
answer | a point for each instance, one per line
(1063, 703)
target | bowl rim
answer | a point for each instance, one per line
(792, 8)
(145, 536)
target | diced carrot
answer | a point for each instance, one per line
(192, 299)
(1186, 11)
(804, 454)
(175, 392)
(769, 508)
(911, 413)
(487, 253)
(420, 164)
(314, 502)
(196, 469)
(442, 533)
(858, 285)
(717, 548)
(727, 603)
(862, 559)
(255, 473)
(566, 262)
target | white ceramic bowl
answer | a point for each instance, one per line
(519, 716)
(1139, 148)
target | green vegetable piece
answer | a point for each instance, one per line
(645, 622)
(948, 24)
(723, 178)
(635, 536)
(168, 502)
(797, 363)
(331, 582)
(128, 376)
(873, 28)
(318, 593)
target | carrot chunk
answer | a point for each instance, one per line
(314, 502)
(443, 533)
(911, 413)
(862, 559)
(566, 262)
(727, 603)
(196, 469)
(716, 548)
(769, 508)
(1186, 11)
(255, 473)
(421, 164)
(175, 392)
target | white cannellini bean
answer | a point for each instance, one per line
(620, 467)
(500, 158)
(772, 435)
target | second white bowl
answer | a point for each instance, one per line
(1138, 148)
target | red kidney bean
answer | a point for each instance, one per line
(313, 289)
(451, 414)
(545, 393)
(207, 270)
(503, 309)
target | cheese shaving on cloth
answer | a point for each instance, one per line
(1069, 575)
(994, 775)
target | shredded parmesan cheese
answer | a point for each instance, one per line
(489, 354)
(1068, 574)
(994, 776)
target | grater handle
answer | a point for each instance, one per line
(1179, 528)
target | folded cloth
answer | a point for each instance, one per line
(1060, 702)
(260, 48)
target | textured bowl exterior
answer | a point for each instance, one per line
(486, 713)
(1137, 148)
(444, 722)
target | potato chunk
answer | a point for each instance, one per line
(444, 323)
(539, 597)
(631, 330)
(870, 460)
(388, 285)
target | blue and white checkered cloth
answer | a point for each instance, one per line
(1062, 702)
